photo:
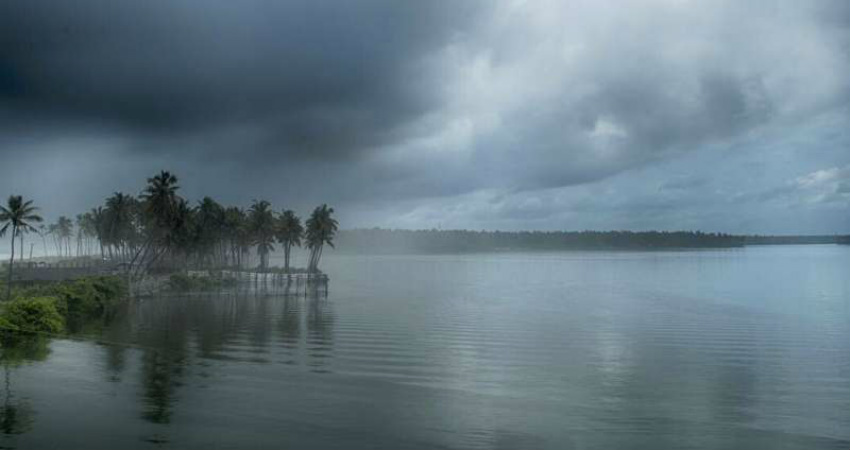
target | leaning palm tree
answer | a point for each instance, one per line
(261, 225)
(289, 233)
(321, 228)
(19, 216)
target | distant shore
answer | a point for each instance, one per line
(394, 241)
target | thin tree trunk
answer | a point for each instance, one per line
(286, 248)
(11, 266)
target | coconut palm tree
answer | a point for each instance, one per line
(18, 216)
(289, 233)
(159, 213)
(119, 217)
(65, 229)
(235, 230)
(321, 229)
(42, 231)
(160, 197)
(262, 227)
(210, 229)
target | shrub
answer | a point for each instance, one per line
(182, 282)
(39, 314)
(83, 297)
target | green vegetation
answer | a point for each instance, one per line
(40, 314)
(52, 307)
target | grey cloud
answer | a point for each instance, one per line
(414, 109)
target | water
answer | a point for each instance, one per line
(745, 348)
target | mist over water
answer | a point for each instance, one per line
(739, 348)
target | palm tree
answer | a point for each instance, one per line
(261, 225)
(161, 198)
(65, 229)
(118, 216)
(160, 212)
(289, 233)
(235, 228)
(100, 226)
(210, 229)
(321, 228)
(19, 215)
(42, 231)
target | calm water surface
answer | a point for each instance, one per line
(703, 349)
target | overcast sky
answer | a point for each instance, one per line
(672, 114)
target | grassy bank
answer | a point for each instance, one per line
(53, 307)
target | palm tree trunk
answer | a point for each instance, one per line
(11, 266)
(286, 248)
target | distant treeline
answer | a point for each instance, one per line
(382, 241)
(797, 240)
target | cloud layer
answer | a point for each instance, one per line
(545, 114)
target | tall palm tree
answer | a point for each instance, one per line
(100, 226)
(118, 216)
(261, 223)
(210, 228)
(161, 198)
(65, 229)
(161, 210)
(42, 231)
(19, 215)
(289, 233)
(321, 229)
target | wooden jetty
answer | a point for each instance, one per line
(277, 281)
(300, 283)
(59, 271)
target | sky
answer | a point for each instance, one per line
(723, 116)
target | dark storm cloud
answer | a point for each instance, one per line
(542, 113)
(310, 77)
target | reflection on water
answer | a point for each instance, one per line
(16, 417)
(742, 349)
(176, 334)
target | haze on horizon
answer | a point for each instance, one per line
(645, 114)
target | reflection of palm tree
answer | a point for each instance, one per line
(290, 321)
(19, 216)
(159, 385)
(16, 416)
(164, 359)
(320, 322)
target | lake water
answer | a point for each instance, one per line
(744, 348)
